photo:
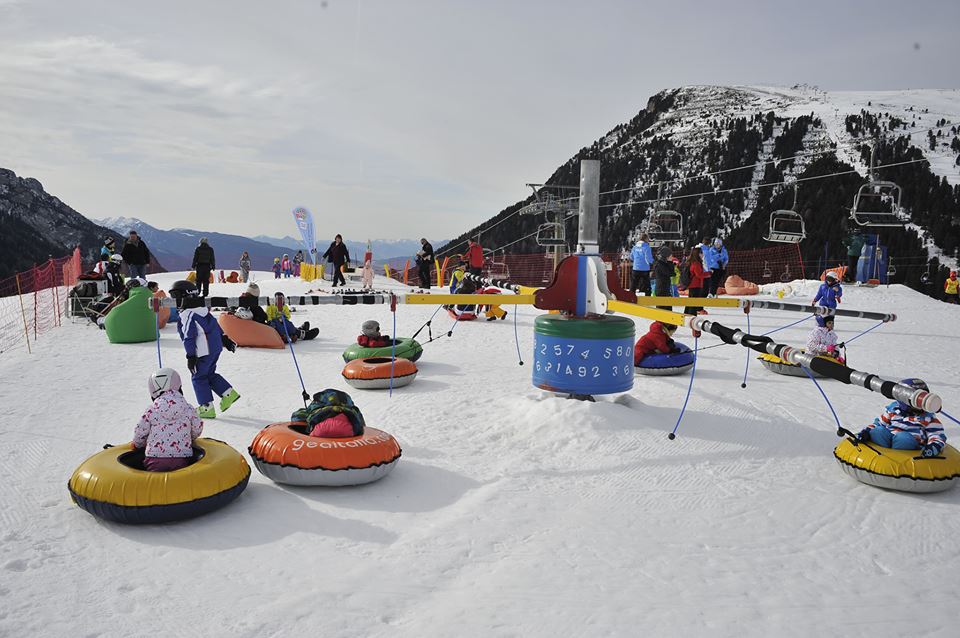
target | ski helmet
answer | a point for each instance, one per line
(118, 258)
(183, 289)
(163, 380)
(916, 384)
(830, 275)
(370, 328)
(133, 283)
(823, 320)
(243, 313)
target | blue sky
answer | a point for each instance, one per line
(392, 119)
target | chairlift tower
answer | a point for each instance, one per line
(551, 233)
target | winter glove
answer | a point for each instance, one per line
(863, 436)
(228, 343)
(192, 364)
(928, 451)
(841, 345)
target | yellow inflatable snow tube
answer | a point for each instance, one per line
(111, 484)
(903, 470)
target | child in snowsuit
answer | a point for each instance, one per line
(331, 414)
(286, 266)
(278, 316)
(276, 268)
(951, 288)
(203, 341)
(823, 340)
(658, 340)
(367, 275)
(167, 429)
(463, 285)
(830, 292)
(663, 270)
(903, 427)
(250, 301)
(370, 336)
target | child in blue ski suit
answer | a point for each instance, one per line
(830, 292)
(903, 427)
(203, 341)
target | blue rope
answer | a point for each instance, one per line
(693, 373)
(824, 394)
(783, 327)
(954, 419)
(393, 351)
(159, 358)
(864, 332)
(516, 335)
(746, 367)
(296, 365)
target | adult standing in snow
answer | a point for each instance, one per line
(136, 255)
(297, 260)
(642, 260)
(854, 243)
(719, 272)
(204, 262)
(425, 259)
(474, 258)
(245, 267)
(338, 255)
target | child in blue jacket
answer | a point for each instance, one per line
(203, 341)
(903, 427)
(830, 292)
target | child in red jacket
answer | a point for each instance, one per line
(370, 336)
(657, 341)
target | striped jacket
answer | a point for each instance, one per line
(924, 427)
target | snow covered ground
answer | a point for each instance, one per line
(512, 512)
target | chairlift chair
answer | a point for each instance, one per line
(496, 269)
(551, 234)
(786, 225)
(767, 273)
(872, 200)
(663, 227)
(786, 276)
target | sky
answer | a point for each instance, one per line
(393, 119)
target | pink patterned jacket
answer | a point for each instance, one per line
(168, 427)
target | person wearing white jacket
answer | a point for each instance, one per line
(167, 429)
(822, 339)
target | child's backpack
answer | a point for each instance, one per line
(684, 274)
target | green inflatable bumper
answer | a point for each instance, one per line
(407, 348)
(132, 321)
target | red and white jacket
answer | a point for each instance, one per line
(168, 427)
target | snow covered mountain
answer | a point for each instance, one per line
(721, 153)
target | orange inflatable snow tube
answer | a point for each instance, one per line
(249, 333)
(374, 373)
(164, 311)
(233, 277)
(284, 453)
(738, 287)
(840, 271)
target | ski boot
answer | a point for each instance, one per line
(228, 399)
(207, 411)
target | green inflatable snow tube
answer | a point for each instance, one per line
(407, 348)
(132, 321)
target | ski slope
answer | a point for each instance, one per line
(511, 513)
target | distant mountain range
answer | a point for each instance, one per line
(175, 247)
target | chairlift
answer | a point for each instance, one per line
(877, 203)
(663, 226)
(786, 225)
(767, 273)
(891, 271)
(551, 234)
(496, 269)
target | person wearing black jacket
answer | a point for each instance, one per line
(338, 255)
(663, 270)
(424, 260)
(204, 262)
(136, 255)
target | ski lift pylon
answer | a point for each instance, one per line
(873, 197)
(786, 225)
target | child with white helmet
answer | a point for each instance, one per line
(830, 292)
(167, 429)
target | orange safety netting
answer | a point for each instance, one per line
(32, 302)
(763, 265)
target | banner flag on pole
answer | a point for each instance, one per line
(304, 221)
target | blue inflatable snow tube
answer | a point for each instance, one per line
(664, 365)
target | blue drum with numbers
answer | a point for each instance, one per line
(578, 355)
